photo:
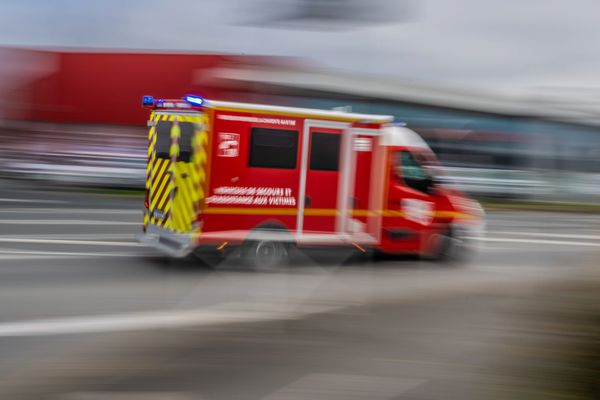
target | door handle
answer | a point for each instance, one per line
(307, 201)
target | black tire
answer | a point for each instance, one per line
(448, 248)
(266, 255)
(267, 247)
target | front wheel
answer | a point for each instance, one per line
(449, 247)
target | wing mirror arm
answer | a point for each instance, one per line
(430, 185)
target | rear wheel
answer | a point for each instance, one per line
(266, 254)
(267, 247)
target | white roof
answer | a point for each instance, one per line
(298, 110)
(402, 136)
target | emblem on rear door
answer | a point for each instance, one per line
(158, 214)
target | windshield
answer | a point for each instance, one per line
(418, 165)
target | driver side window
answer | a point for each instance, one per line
(410, 167)
(413, 174)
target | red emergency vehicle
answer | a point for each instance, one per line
(223, 174)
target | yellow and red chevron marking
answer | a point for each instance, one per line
(161, 184)
(150, 161)
(183, 205)
(189, 178)
(151, 147)
(161, 189)
(199, 163)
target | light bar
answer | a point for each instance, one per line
(147, 101)
(194, 100)
(163, 103)
(188, 102)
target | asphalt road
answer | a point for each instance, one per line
(87, 313)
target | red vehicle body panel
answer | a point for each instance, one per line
(229, 172)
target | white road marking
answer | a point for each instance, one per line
(26, 254)
(73, 210)
(345, 386)
(112, 395)
(535, 241)
(487, 247)
(64, 222)
(167, 319)
(67, 241)
(31, 257)
(75, 236)
(6, 200)
(549, 235)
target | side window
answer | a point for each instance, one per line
(413, 174)
(273, 148)
(185, 141)
(410, 167)
(324, 151)
(163, 139)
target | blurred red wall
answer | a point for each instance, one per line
(105, 87)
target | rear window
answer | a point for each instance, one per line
(273, 148)
(185, 141)
(163, 139)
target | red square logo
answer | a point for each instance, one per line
(229, 144)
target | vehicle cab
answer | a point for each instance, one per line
(426, 215)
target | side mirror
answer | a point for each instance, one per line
(425, 185)
(429, 185)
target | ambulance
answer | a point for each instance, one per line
(266, 179)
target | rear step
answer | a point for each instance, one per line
(173, 244)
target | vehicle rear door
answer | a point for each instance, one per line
(176, 170)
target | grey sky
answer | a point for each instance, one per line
(508, 44)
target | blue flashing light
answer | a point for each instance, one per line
(147, 101)
(194, 100)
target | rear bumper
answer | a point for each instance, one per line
(173, 244)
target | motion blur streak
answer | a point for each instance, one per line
(152, 320)
(74, 324)
(505, 93)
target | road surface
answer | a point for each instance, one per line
(88, 313)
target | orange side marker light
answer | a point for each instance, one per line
(359, 247)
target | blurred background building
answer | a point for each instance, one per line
(504, 92)
(74, 117)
